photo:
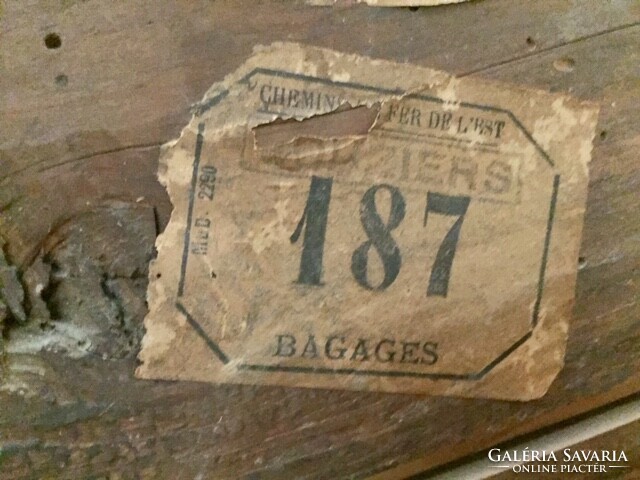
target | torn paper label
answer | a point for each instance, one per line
(343, 222)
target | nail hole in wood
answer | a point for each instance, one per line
(62, 80)
(582, 262)
(52, 41)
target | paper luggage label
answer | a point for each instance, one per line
(343, 222)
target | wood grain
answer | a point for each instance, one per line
(132, 71)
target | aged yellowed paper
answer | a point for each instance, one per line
(343, 222)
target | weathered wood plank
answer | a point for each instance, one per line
(125, 75)
(128, 87)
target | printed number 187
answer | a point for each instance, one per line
(379, 237)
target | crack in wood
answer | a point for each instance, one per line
(536, 53)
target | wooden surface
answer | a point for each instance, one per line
(80, 129)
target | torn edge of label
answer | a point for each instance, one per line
(310, 138)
